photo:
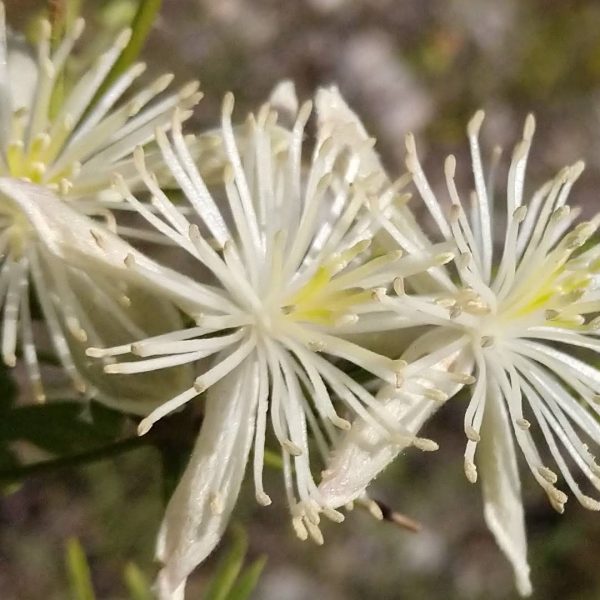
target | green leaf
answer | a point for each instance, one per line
(229, 568)
(140, 29)
(107, 421)
(248, 580)
(78, 572)
(46, 466)
(56, 427)
(138, 586)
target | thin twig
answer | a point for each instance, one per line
(397, 518)
(39, 468)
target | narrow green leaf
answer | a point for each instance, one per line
(56, 427)
(78, 572)
(140, 29)
(229, 568)
(106, 421)
(248, 580)
(138, 586)
(47, 466)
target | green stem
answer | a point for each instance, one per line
(140, 29)
(39, 468)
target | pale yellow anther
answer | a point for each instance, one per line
(450, 166)
(291, 448)
(399, 286)
(589, 503)
(475, 124)
(425, 444)
(333, 515)
(472, 434)
(520, 213)
(436, 395)
(299, 528)
(463, 378)
(316, 346)
(216, 503)
(263, 499)
(529, 128)
(470, 470)
(548, 474)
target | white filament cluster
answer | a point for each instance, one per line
(75, 143)
(290, 270)
(513, 320)
(71, 143)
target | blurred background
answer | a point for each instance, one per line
(403, 66)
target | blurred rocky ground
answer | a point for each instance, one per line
(411, 65)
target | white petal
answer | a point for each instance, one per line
(283, 98)
(363, 453)
(108, 310)
(199, 510)
(145, 315)
(334, 114)
(502, 504)
(68, 234)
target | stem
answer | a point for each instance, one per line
(39, 468)
(140, 29)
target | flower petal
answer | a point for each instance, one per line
(87, 244)
(111, 305)
(199, 510)
(334, 114)
(110, 323)
(364, 452)
(502, 504)
(284, 100)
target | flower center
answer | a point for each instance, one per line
(31, 160)
(328, 297)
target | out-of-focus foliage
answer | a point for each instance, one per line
(80, 578)
(232, 579)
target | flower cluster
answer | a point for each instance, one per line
(517, 326)
(70, 150)
(314, 305)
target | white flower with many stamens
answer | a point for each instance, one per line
(289, 269)
(69, 139)
(74, 140)
(85, 295)
(524, 326)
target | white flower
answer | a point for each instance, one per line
(75, 147)
(289, 271)
(528, 328)
(70, 138)
(85, 295)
